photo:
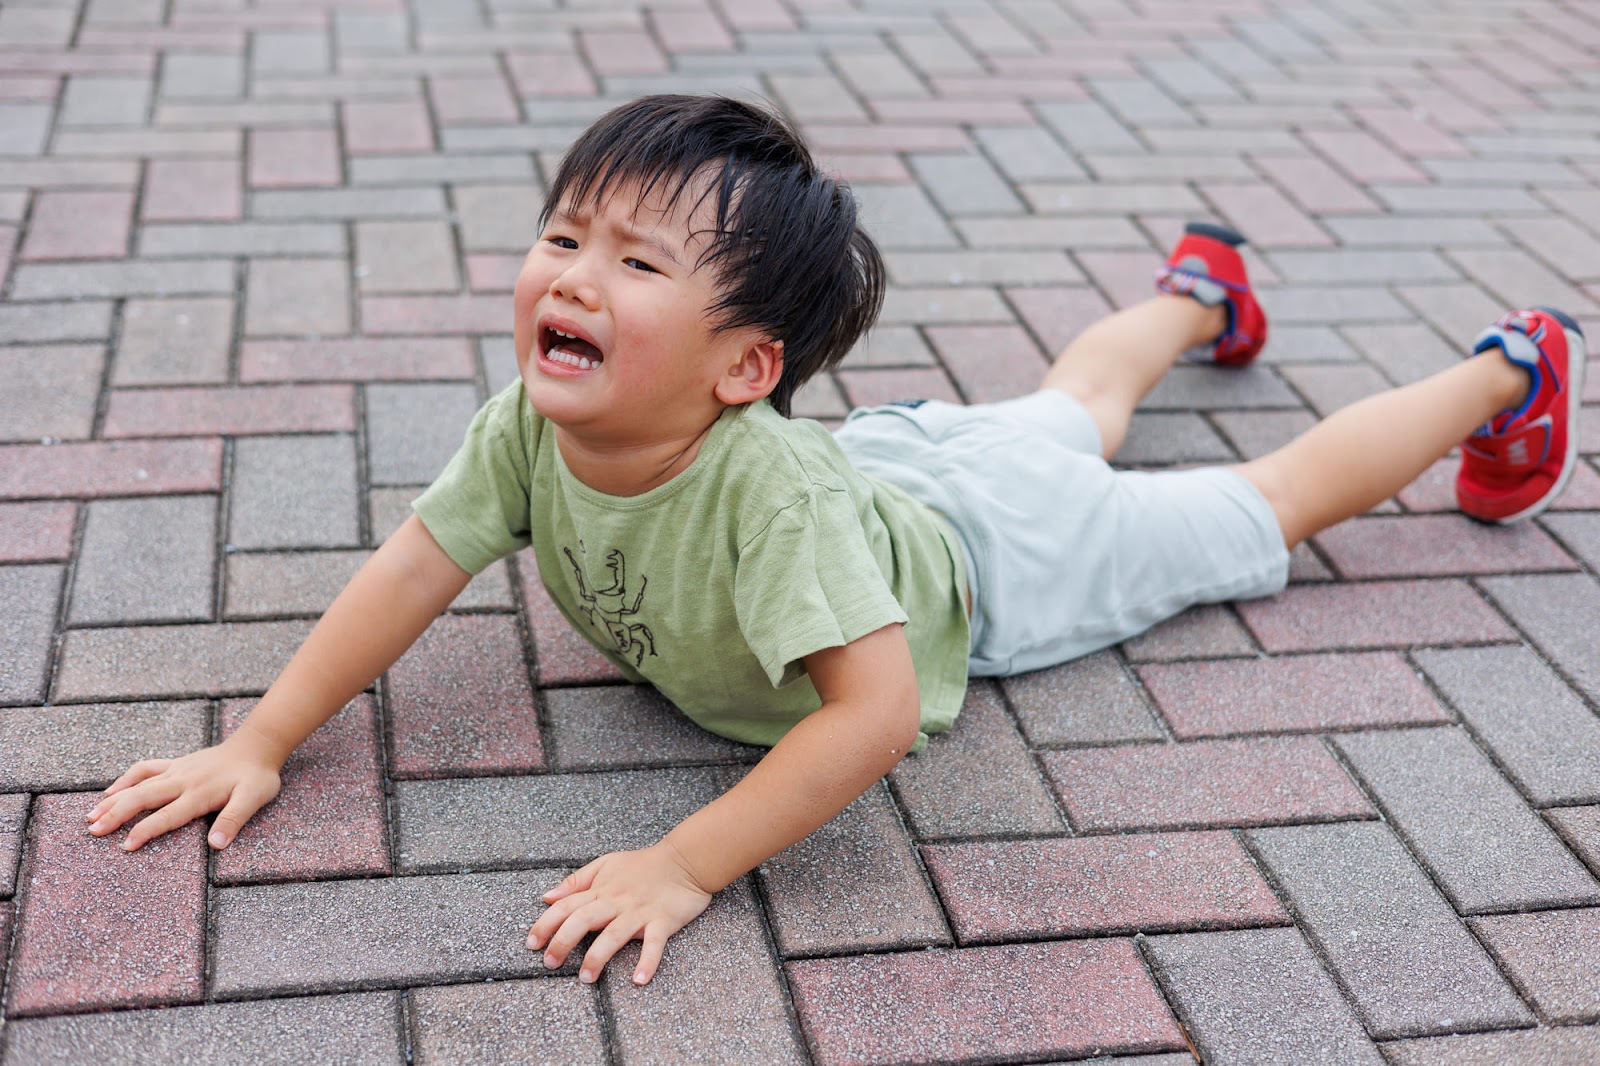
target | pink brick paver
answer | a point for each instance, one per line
(79, 225)
(192, 190)
(101, 928)
(234, 412)
(123, 468)
(1300, 693)
(396, 359)
(36, 532)
(1217, 782)
(1120, 884)
(460, 702)
(289, 158)
(328, 821)
(1376, 615)
(1051, 1000)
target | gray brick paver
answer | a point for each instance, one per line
(360, 1028)
(1409, 964)
(339, 935)
(1476, 836)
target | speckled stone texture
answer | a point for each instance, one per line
(36, 532)
(1580, 828)
(328, 819)
(1515, 703)
(385, 933)
(549, 1022)
(1209, 631)
(562, 819)
(361, 1029)
(1407, 962)
(716, 997)
(13, 811)
(1292, 694)
(885, 902)
(563, 655)
(976, 779)
(31, 594)
(1067, 999)
(1258, 996)
(274, 584)
(76, 747)
(1560, 612)
(148, 662)
(1376, 615)
(1437, 546)
(150, 560)
(100, 928)
(1209, 783)
(1090, 701)
(629, 726)
(460, 702)
(1028, 889)
(1552, 958)
(1546, 1047)
(1483, 846)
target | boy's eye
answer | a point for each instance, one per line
(640, 264)
(563, 242)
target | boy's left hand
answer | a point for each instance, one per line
(643, 895)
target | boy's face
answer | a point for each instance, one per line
(612, 337)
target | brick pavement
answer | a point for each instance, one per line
(255, 260)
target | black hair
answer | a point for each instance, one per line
(788, 250)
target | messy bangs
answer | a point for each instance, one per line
(788, 254)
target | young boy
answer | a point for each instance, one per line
(828, 596)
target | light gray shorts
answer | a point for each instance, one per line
(1066, 555)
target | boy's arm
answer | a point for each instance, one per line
(381, 612)
(869, 717)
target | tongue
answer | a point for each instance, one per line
(574, 346)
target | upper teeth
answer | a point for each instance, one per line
(561, 333)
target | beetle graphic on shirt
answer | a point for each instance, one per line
(608, 608)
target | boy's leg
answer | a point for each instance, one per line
(1114, 363)
(1521, 380)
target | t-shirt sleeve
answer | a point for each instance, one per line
(809, 581)
(478, 507)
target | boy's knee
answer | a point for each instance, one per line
(1281, 493)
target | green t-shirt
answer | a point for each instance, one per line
(714, 586)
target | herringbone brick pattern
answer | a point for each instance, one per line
(256, 258)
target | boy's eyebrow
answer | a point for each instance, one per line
(637, 236)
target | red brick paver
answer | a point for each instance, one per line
(1062, 999)
(102, 928)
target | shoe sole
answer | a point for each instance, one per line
(1577, 355)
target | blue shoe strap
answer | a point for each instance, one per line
(1521, 351)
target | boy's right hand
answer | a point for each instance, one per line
(229, 777)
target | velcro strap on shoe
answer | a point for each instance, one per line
(1186, 283)
(1519, 348)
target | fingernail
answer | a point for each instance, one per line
(218, 840)
(550, 960)
(127, 845)
(586, 977)
(639, 978)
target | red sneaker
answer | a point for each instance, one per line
(1517, 463)
(1207, 265)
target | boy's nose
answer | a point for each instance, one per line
(574, 284)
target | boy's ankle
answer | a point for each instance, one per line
(1513, 383)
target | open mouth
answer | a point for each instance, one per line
(569, 349)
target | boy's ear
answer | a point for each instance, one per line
(754, 375)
